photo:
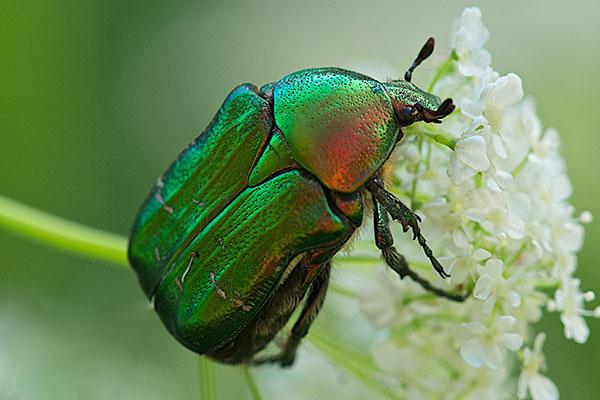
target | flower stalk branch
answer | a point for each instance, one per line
(61, 233)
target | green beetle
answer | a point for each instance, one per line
(243, 225)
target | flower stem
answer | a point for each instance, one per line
(62, 234)
(442, 70)
(251, 383)
(207, 379)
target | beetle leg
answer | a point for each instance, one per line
(409, 220)
(312, 306)
(395, 260)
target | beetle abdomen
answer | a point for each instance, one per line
(220, 281)
(340, 125)
(205, 177)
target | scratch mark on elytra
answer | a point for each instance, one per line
(164, 205)
(158, 196)
(187, 269)
(157, 254)
(220, 291)
(199, 203)
(238, 303)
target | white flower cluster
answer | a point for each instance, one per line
(491, 187)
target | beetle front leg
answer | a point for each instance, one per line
(409, 220)
(312, 306)
(395, 260)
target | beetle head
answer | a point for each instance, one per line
(413, 104)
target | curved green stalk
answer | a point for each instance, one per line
(251, 383)
(207, 379)
(443, 70)
(62, 234)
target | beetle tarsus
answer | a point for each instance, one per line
(397, 262)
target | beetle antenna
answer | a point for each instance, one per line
(425, 52)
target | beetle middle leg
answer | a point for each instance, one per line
(312, 306)
(384, 202)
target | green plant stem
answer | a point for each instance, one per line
(442, 70)
(62, 234)
(207, 379)
(251, 383)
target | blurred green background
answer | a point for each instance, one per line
(97, 97)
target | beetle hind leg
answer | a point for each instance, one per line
(395, 260)
(312, 306)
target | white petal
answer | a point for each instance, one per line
(479, 123)
(551, 140)
(488, 305)
(481, 59)
(481, 254)
(514, 299)
(522, 385)
(483, 287)
(498, 146)
(493, 357)
(460, 239)
(515, 228)
(503, 178)
(505, 322)
(575, 328)
(475, 33)
(492, 185)
(539, 342)
(512, 341)
(506, 92)
(454, 170)
(473, 152)
(477, 328)
(472, 353)
(471, 108)
(542, 388)
(494, 268)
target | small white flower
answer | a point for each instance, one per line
(490, 209)
(486, 346)
(539, 386)
(470, 34)
(569, 300)
(466, 264)
(469, 157)
(492, 286)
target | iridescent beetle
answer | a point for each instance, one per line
(244, 224)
